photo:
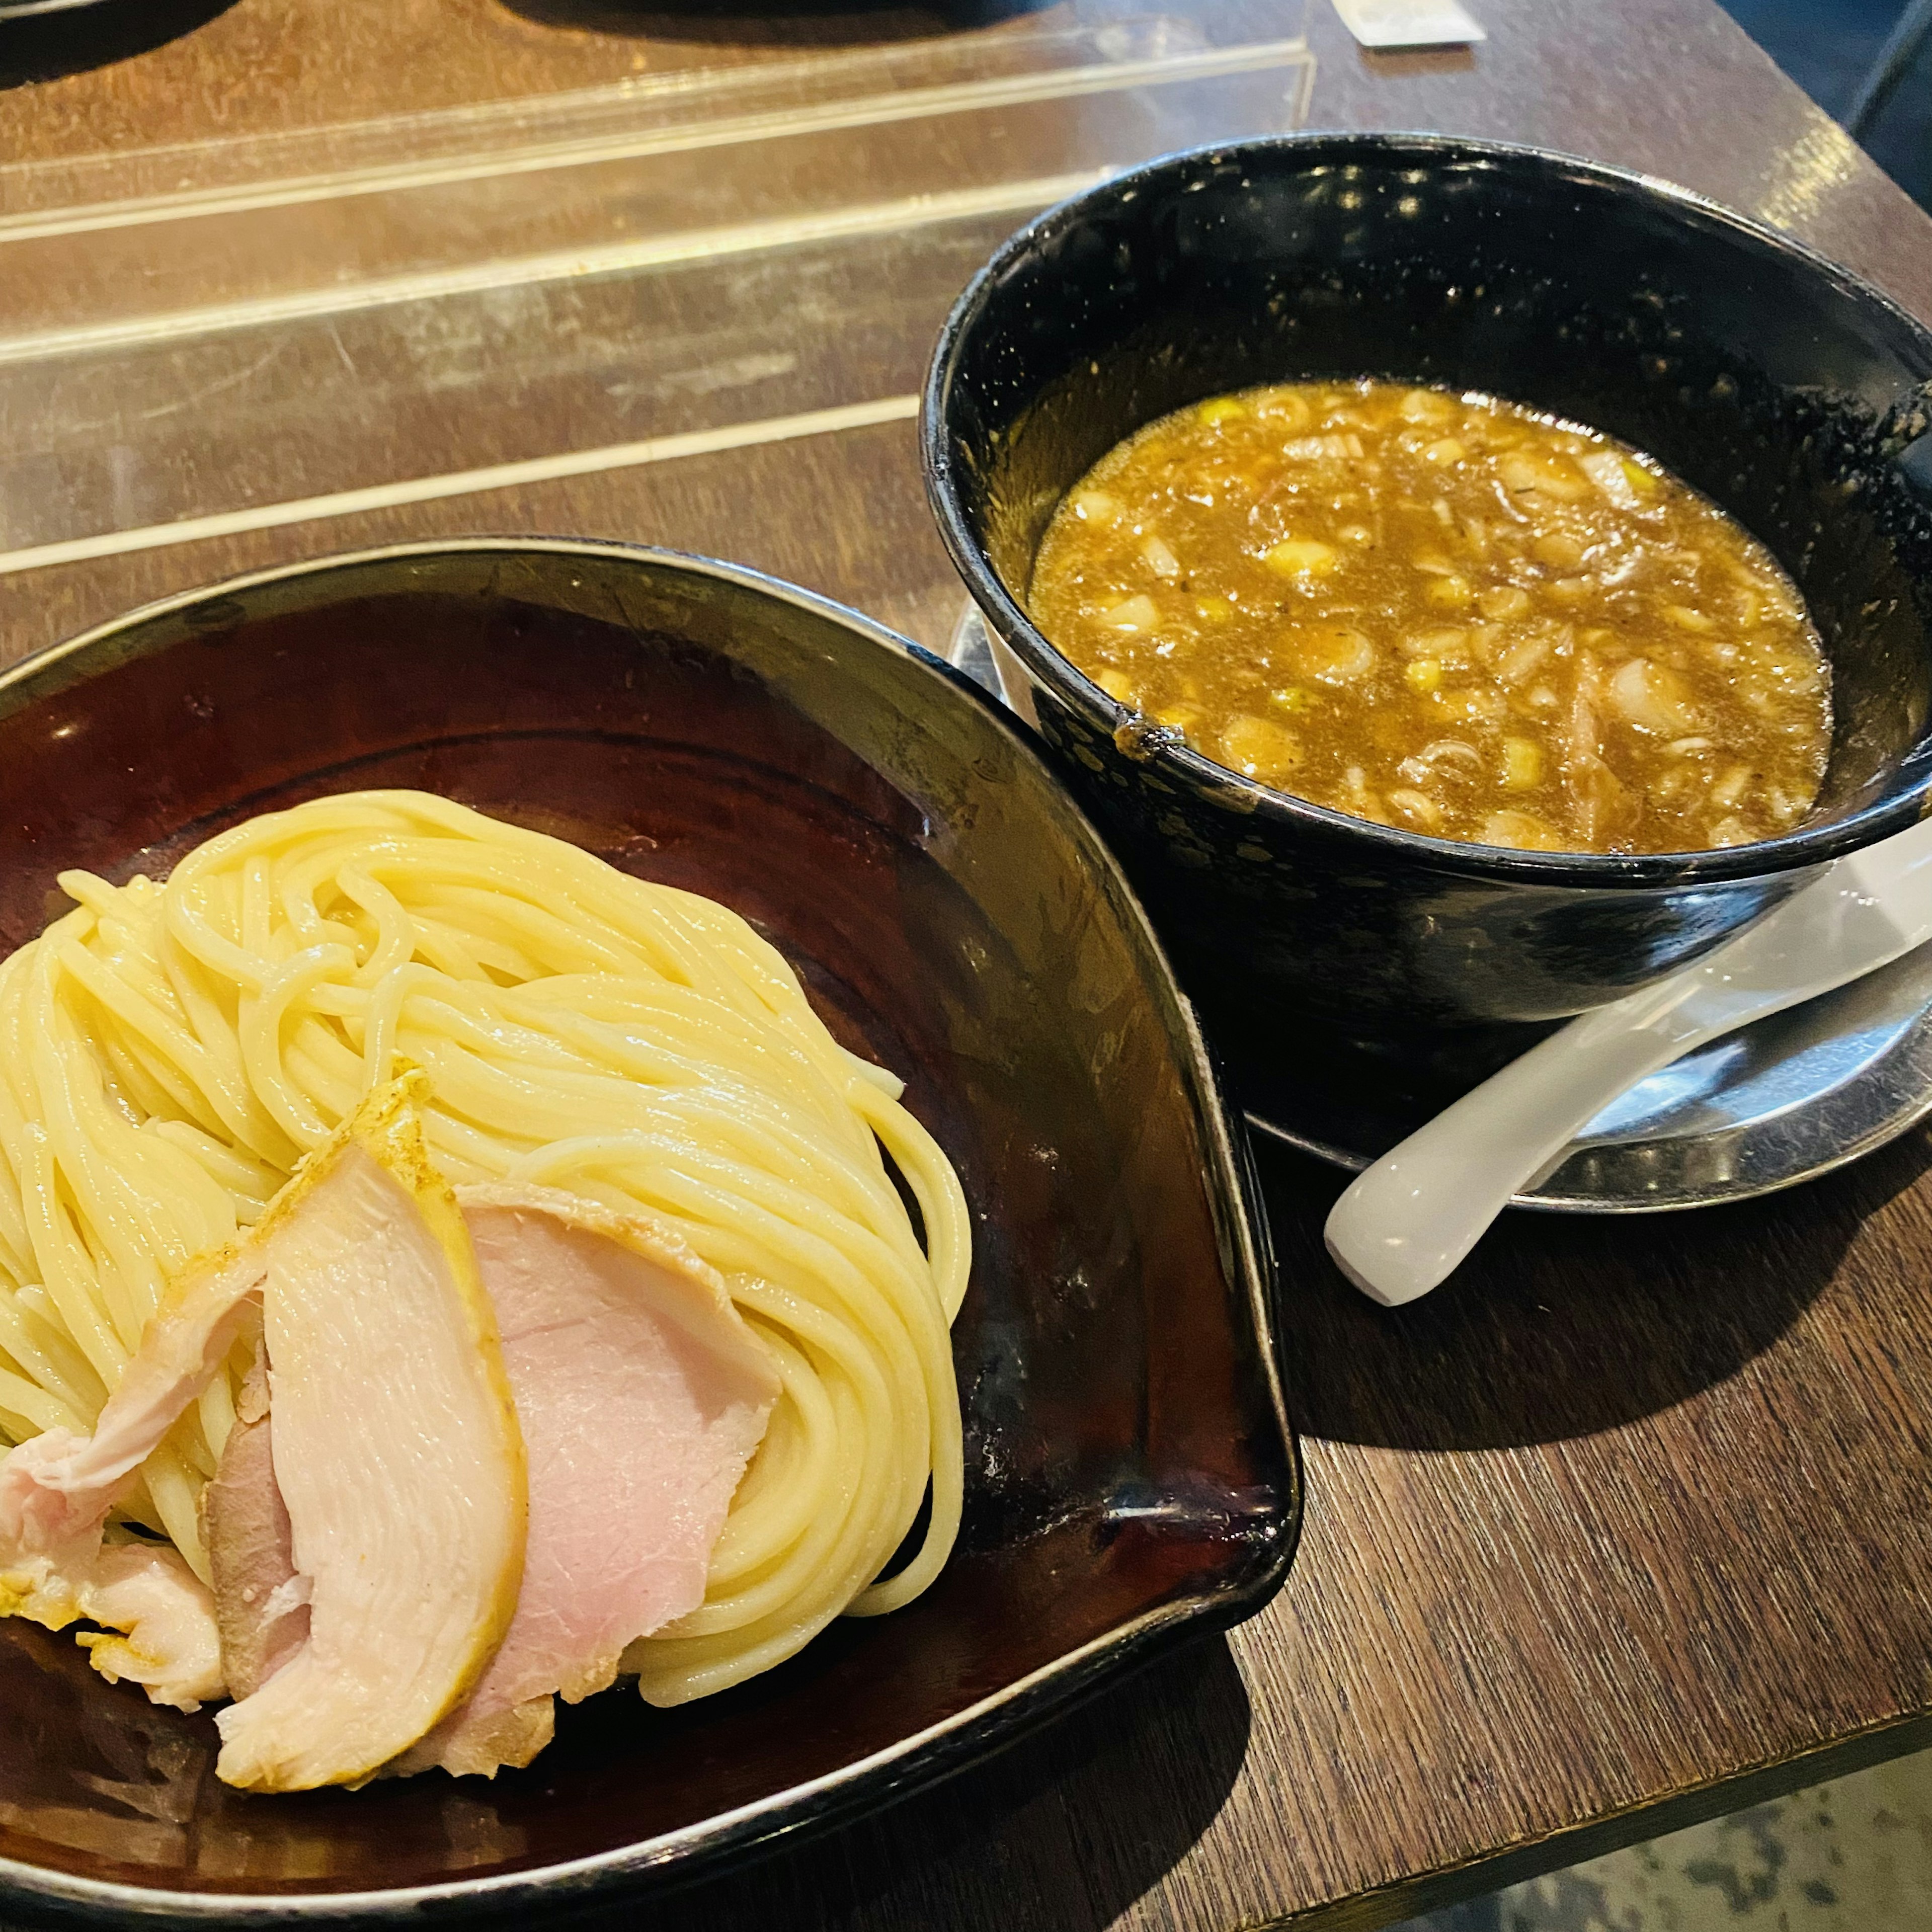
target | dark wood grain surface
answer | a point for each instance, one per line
(1631, 1521)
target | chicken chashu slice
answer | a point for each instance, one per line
(56, 1491)
(643, 1395)
(159, 1627)
(397, 1453)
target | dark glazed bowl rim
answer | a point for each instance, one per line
(911, 1763)
(1805, 847)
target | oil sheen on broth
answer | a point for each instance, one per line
(1445, 613)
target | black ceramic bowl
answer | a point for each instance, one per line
(1128, 1481)
(1789, 392)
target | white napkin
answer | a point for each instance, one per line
(1408, 23)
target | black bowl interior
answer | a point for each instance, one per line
(1792, 395)
(1129, 1476)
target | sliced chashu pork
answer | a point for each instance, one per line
(57, 1489)
(397, 1452)
(159, 1628)
(261, 1600)
(642, 1395)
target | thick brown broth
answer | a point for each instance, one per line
(1446, 612)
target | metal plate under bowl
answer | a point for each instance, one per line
(1764, 1108)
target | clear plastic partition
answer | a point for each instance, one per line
(239, 333)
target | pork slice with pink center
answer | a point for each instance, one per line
(642, 1395)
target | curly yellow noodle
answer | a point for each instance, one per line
(167, 1053)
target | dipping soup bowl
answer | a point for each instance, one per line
(1791, 394)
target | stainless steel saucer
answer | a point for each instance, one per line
(1765, 1108)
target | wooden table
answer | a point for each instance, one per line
(1631, 1525)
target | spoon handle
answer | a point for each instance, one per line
(1408, 1219)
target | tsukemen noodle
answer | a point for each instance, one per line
(440, 1274)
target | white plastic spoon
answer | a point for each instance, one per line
(1408, 1219)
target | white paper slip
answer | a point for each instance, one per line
(1408, 23)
